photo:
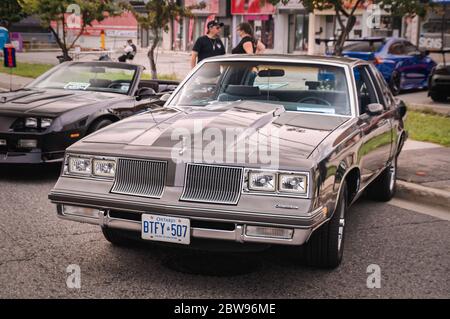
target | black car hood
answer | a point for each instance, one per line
(50, 102)
(298, 134)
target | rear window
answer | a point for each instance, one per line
(364, 47)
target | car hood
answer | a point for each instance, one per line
(49, 102)
(232, 127)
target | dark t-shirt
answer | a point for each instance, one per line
(207, 47)
(239, 49)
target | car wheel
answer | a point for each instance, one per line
(436, 97)
(394, 83)
(99, 124)
(383, 188)
(326, 246)
(117, 237)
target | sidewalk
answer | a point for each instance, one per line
(424, 174)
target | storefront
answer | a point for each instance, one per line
(434, 30)
(260, 15)
(291, 22)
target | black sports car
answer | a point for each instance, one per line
(439, 80)
(70, 101)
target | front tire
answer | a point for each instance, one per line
(99, 124)
(436, 97)
(325, 248)
(116, 237)
(383, 188)
(394, 83)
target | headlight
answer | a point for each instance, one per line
(31, 122)
(45, 123)
(104, 168)
(80, 165)
(293, 183)
(276, 183)
(262, 181)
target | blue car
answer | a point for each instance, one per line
(402, 64)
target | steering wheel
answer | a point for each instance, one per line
(315, 99)
(118, 85)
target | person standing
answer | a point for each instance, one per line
(248, 43)
(208, 45)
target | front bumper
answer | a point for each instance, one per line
(206, 229)
(50, 147)
(440, 83)
(31, 157)
(206, 225)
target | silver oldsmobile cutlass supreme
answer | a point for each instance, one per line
(252, 149)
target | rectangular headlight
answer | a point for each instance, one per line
(31, 122)
(293, 183)
(104, 168)
(80, 165)
(262, 181)
(45, 123)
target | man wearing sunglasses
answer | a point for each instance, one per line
(208, 45)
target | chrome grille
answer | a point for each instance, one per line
(212, 184)
(140, 178)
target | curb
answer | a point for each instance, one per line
(422, 194)
(439, 109)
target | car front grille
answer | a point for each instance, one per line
(140, 178)
(212, 184)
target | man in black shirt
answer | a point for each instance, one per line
(208, 45)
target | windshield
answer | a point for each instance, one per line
(298, 87)
(89, 77)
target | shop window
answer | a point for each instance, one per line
(301, 32)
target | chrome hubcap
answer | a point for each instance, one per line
(341, 227)
(392, 174)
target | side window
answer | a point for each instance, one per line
(385, 92)
(366, 91)
(409, 48)
(396, 48)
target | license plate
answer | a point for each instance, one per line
(166, 228)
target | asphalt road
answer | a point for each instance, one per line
(411, 249)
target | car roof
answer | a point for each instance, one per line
(287, 58)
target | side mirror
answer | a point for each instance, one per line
(375, 109)
(165, 97)
(401, 107)
(144, 93)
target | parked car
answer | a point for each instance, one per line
(70, 101)
(439, 81)
(403, 65)
(249, 149)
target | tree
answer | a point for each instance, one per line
(346, 9)
(10, 12)
(159, 14)
(58, 10)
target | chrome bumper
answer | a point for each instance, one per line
(299, 235)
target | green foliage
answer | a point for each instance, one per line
(10, 12)
(428, 127)
(29, 70)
